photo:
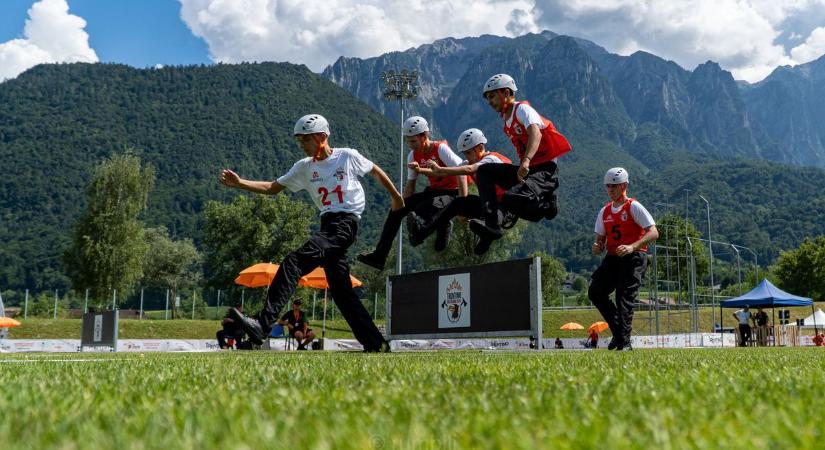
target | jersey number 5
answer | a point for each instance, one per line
(616, 231)
(325, 193)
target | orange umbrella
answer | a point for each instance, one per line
(571, 326)
(598, 326)
(258, 275)
(318, 279)
(8, 322)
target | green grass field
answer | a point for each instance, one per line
(750, 398)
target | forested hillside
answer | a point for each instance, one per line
(58, 121)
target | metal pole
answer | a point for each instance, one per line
(314, 295)
(219, 304)
(55, 305)
(114, 299)
(710, 248)
(140, 316)
(166, 308)
(400, 235)
(375, 307)
(243, 292)
(86, 303)
(26, 305)
(193, 304)
(738, 268)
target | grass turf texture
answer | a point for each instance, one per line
(736, 398)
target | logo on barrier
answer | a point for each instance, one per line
(454, 301)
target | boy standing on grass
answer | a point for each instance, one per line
(624, 228)
(330, 176)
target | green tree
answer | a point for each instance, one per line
(552, 277)
(802, 270)
(251, 229)
(168, 263)
(108, 247)
(460, 251)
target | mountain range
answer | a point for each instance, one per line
(580, 85)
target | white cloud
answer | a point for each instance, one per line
(813, 48)
(317, 33)
(744, 36)
(51, 35)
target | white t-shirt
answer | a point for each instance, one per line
(639, 213)
(743, 316)
(332, 182)
(445, 153)
(487, 159)
(527, 115)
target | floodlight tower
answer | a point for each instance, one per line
(400, 86)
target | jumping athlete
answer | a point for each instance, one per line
(330, 176)
(441, 191)
(471, 143)
(530, 186)
(624, 228)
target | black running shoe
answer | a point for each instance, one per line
(383, 348)
(250, 325)
(551, 212)
(485, 231)
(414, 228)
(442, 237)
(614, 344)
(509, 220)
(372, 260)
(627, 347)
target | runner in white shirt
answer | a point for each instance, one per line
(330, 175)
(441, 191)
(624, 228)
(471, 143)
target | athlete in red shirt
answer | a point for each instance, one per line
(442, 189)
(624, 228)
(532, 183)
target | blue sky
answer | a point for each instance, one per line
(748, 37)
(140, 33)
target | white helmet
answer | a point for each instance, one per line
(415, 125)
(470, 138)
(500, 81)
(616, 175)
(311, 123)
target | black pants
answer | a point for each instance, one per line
(744, 334)
(327, 248)
(622, 274)
(543, 177)
(425, 203)
(469, 206)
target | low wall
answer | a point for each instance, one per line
(206, 345)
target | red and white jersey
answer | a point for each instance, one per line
(623, 225)
(444, 156)
(552, 145)
(332, 182)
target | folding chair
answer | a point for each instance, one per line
(279, 332)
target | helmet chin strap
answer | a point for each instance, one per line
(503, 100)
(319, 148)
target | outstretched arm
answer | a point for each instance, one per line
(231, 179)
(397, 201)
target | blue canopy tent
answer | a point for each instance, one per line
(765, 295)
